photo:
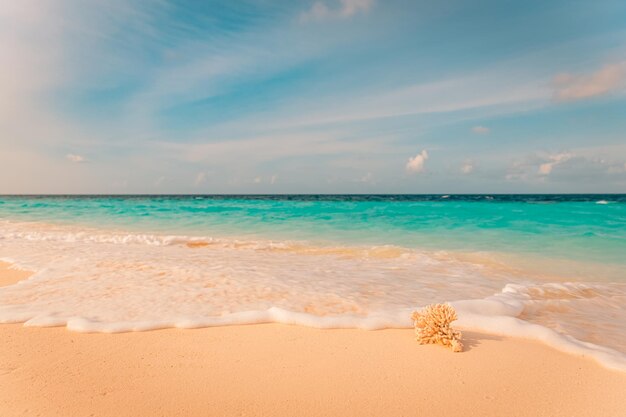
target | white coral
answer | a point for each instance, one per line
(432, 325)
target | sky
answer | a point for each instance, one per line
(321, 96)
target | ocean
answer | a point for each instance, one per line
(547, 267)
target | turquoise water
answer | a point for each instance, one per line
(581, 227)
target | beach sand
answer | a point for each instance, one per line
(10, 276)
(292, 371)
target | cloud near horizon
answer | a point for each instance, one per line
(467, 168)
(416, 163)
(583, 165)
(553, 160)
(200, 178)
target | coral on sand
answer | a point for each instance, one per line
(432, 325)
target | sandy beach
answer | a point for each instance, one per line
(342, 208)
(291, 370)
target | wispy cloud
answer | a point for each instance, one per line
(617, 169)
(569, 87)
(481, 130)
(200, 178)
(267, 148)
(467, 167)
(553, 160)
(75, 158)
(340, 9)
(489, 92)
(367, 178)
(583, 165)
(159, 181)
(416, 164)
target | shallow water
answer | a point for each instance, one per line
(506, 262)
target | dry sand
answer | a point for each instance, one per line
(282, 370)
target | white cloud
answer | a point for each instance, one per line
(481, 130)
(200, 178)
(568, 87)
(582, 165)
(345, 9)
(75, 158)
(553, 160)
(467, 168)
(416, 164)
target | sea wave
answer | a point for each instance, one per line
(96, 280)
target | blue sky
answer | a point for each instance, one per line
(156, 96)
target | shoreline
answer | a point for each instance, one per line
(275, 369)
(10, 276)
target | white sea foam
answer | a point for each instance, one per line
(112, 281)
